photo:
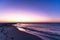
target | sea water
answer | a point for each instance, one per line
(45, 31)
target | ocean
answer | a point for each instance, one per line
(45, 31)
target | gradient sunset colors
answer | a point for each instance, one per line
(29, 11)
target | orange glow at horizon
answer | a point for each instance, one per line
(27, 19)
(24, 16)
(17, 18)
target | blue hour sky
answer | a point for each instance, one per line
(30, 10)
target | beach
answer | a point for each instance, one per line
(30, 31)
(12, 33)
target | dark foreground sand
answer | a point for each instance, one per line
(12, 33)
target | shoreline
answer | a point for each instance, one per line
(12, 33)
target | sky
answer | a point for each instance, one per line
(29, 11)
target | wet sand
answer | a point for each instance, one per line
(12, 33)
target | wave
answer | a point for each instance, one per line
(43, 31)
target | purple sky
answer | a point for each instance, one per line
(30, 10)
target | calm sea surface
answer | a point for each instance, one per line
(45, 31)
